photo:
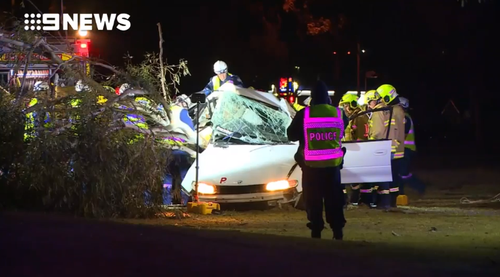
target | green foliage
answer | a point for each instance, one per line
(84, 160)
(88, 169)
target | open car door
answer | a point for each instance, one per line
(367, 162)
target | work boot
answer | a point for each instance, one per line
(315, 234)
(338, 234)
(394, 200)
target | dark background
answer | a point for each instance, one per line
(432, 51)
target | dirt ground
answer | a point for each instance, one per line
(442, 235)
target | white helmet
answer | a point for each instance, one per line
(80, 86)
(404, 102)
(123, 88)
(220, 67)
(183, 101)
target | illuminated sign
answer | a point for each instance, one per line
(34, 58)
(283, 84)
(34, 73)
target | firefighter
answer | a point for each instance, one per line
(356, 130)
(180, 116)
(390, 97)
(410, 151)
(179, 165)
(222, 77)
(319, 130)
(377, 129)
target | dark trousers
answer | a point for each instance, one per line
(396, 180)
(407, 177)
(355, 197)
(322, 187)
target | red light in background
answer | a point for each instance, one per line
(335, 53)
(291, 99)
(349, 53)
(283, 84)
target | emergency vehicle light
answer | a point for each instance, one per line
(83, 45)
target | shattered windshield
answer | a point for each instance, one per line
(249, 121)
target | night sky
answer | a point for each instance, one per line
(431, 50)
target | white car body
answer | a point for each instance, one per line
(240, 173)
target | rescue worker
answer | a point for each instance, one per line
(29, 126)
(179, 165)
(356, 130)
(180, 116)
(390, 97)
(319, 130)
(222, 77)
(410, 151)
(377, 129)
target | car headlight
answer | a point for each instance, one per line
(204, 188)
(281, 185)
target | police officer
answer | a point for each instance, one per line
(319, 130)
(390, 97)
(222, 77)
(410, 151)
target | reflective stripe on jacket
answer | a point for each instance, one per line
(410, 137)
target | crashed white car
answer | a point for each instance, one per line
(248, 158)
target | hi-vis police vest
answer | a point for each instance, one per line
(216, 81)
(410, 137)
(322, 135)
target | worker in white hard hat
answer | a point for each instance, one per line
(222, 77)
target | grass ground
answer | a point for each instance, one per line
(446, 221)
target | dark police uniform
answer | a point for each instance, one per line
(319, 130)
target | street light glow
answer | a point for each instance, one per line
(82, 33)
(363, 51)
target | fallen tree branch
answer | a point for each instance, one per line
(25, 71)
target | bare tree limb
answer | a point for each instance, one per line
(4, 90)
(162, 70)
(25, 71)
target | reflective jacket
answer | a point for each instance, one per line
(323, 132)
(357, 128)
(397, 131)
(215, 83)
(29, 126)
(410, 135)
(377, 124)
